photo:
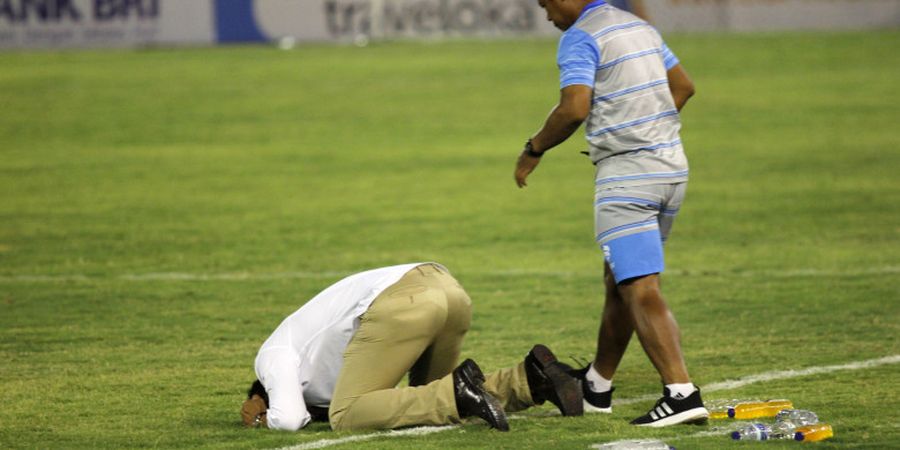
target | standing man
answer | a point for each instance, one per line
(340, 357)
(618, 74)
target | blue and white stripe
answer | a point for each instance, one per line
(633, 123)
(647, 224)
(630, 90)
(622, 199)
(669, 58)
(669, 212)
(655, 175)
(576, 75)
(639, 201)
(623, 58)
(674, 143)
(623, 26)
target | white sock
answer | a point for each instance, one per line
(681, 390)
(596, 382)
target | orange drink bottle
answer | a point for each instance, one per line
(814, 433)
(754, 410)
(718, 408)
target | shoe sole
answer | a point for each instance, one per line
(497, 409)
(475, 377)
(696, 416)
(589, 408)
(567, 389)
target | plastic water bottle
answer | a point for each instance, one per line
(634, 445)
(755, 432)
(755, 410)
(798, 417)
(789, 420)
(814, 433)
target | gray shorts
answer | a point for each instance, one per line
(632, 223)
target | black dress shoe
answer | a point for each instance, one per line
(473, 400)
(549, 379)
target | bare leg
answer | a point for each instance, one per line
(615, 329)
(656, 327)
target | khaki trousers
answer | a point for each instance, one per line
(416, 326)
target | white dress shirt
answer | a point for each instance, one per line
(300, 362)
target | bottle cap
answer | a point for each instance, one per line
(736, 435)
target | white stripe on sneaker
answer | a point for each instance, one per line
(667, 408)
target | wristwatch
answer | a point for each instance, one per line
(529, 150)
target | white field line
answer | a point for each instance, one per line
(776, 375)
(418, 431)
(706, 433)
(264, 276)
(713, 387)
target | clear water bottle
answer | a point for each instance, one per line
(814, 433)
(634, 445)
(789, 420)
(800, 417)
(755, 432)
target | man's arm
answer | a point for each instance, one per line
(681, 85)
(574, 106)
(287, 408)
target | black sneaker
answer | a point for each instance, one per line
(672, 411)
(548, 379)
(594, 402)
(473, 400)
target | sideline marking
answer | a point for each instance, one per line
(418, 431)
(263, 276)
(776, 375)
(230, 276)
(713, 387)
(707, 433)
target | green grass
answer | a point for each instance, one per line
(327, 160)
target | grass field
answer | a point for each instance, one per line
(163, 210)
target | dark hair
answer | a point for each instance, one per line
(257, 389)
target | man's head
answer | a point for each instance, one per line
(563, 13)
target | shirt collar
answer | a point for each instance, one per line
(590, 6)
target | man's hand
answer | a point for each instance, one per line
(573, 108)
(524, 166)
(253, 412)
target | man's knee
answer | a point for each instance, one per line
(336, 417)
(641, 292)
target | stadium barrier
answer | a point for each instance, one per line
(128, 23)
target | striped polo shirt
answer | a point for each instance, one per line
(633, 125)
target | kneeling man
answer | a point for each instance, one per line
(343, 353)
